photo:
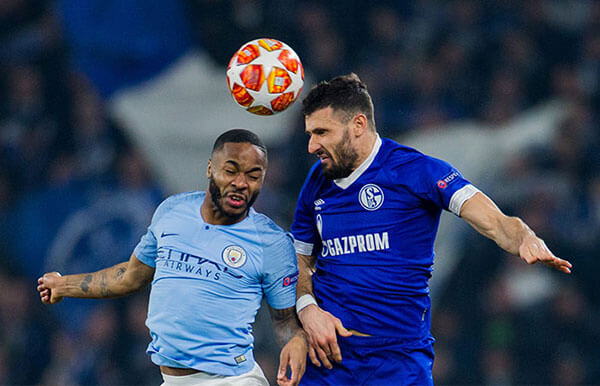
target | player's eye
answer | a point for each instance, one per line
(230, 172)
(253, 177)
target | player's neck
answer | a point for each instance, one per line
(365, 147)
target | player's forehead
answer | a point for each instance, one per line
(324, 118)
(244, 154)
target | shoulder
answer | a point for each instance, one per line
(397, 156)
(394, 155)
(178, 199)
(266, 226)
(313, 183)
(399, 159)
(411, 167)
(271, 234)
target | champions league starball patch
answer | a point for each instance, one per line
(289, 280)
(234, 256)
(450, 178)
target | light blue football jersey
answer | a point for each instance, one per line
(209, 283)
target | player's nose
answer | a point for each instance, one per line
(313, 145)
(240, 181)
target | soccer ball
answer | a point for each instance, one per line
(265, 76)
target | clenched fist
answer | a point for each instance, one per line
(46, 287)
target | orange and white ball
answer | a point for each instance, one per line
(265, 76)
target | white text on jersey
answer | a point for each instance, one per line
(355, 244)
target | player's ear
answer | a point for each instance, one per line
(208, 168)
(360, 124)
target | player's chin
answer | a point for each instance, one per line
(327, 167)
(235, 211)
(326, 162)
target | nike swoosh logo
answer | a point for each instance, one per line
(168, 234)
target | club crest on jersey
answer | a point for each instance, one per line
(234, 256)
(370, 197)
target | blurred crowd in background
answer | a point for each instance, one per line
(76, 192)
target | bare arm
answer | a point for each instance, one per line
(118, 280)
(290, 335)
(286, 324)
(306, 267)
(510, 233)
(321, 326)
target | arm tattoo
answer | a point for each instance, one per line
(110, 282)
(286, 324)
(85, 283)
(120, 273)
(104, 291)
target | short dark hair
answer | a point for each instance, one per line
(346, 93)
(239, 136)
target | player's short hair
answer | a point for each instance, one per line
(239, 136)
(343, 93)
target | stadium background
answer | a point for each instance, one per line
(107, 106)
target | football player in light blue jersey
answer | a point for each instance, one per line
(364, 228)
(211, 258)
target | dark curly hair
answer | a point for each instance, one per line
(345, 93)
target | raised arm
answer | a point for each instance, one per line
(510, 233)
(320, 326)
(118, 280)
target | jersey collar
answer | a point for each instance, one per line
(347, 181)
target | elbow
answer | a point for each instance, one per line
(127, 287)
(131, 287)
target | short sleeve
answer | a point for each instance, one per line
(146, 250)
(303, 228)
(444, 185)
(280, 272)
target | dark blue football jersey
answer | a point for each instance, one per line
(373, 235)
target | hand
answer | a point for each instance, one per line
(47, 285)
(534, 249)
(321, 328)
(293, 355)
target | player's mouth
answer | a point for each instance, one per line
(323, 157)
(235, 200)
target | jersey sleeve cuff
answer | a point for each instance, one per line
(150, 262)
(303, 248)
(460, 197)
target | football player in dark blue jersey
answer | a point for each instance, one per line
(364, 229)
